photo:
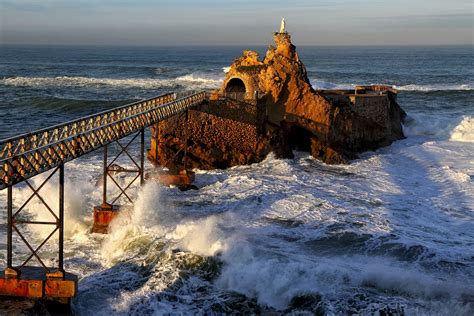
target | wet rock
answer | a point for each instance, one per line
(25, 307)
(236, 303)
(208, 268)
(270, 105)
(187, 187)
(306, 303)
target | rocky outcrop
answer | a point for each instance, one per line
(219, 134)
(270, 105)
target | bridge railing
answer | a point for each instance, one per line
(29, 141)
(30, 154)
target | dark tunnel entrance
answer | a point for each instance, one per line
(300, 139)
(235, 85)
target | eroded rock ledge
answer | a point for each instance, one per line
(270, 105)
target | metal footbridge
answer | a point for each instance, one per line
(25, 156)
(28, 155)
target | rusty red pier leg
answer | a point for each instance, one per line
(37, 282)
(106, 212)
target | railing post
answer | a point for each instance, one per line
(61, 217)
(9, 226)
(142, 157)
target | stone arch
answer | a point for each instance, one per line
(300, 138)
(235, 85)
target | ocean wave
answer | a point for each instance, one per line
(435, 87)
(162, 70)
(189, 81)
(322, 84)
(159, 252)
(198, 79)
(459, 128)
(464, 131)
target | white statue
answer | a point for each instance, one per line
(283, 26)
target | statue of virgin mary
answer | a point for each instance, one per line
(283, 26)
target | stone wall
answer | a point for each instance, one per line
(220, 134)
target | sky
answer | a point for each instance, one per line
(238, 22)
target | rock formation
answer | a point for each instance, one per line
(270, 105)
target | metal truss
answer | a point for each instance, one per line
(109, 169)
(15, 220)
(28, 155)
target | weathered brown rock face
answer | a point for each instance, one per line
(219, 134)
(332, 125)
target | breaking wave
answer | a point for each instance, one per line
(443, 127)
(222, 234)
(464, 131)
(210, 82)
(435, 87)
(322, 84)
(192, 81)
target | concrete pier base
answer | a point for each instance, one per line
(183, 179)
(33, 282)
(103, 216)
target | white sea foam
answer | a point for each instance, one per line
(275, 281)
(435, 87)
(150, 215)
(189, 81)
(464, 131)
(226, 69)
(458, 128)
(209, 82)
(74, 204)
(323, 84)
(202, 237)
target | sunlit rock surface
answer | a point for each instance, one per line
(270, 105)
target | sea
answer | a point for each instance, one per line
(391, 233)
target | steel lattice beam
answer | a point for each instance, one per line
(28, 155)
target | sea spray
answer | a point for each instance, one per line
(202, 237)
(464, 131)
(150, 215)
(75, 204)
(446, 127)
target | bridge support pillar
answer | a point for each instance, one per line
(40, 282)
(104, 214)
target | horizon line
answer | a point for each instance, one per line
(232, 45)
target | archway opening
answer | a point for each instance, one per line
(300, 139)
(235, 85)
